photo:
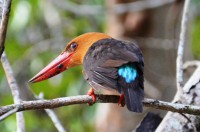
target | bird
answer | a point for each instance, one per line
(108, 63)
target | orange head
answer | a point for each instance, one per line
(73, 55)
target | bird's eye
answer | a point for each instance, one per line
(73, 46)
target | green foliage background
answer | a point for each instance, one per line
(37, 33)
(195, 29)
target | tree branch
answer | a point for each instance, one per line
(194, 63)
(4, 24)
(8, 113)
(83, 99)
(52, 116)
(188, 93)
(189, 96)
(6, 65)
(15, 91)
(179, 60)
(55, 120)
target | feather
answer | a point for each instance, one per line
(113, 63)
(133, 98)
(102, 62)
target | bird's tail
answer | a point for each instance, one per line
(133, 99)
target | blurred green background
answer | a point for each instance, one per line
(38, 31)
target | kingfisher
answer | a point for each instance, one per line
(108, 63)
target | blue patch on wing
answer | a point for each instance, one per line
(128, 72)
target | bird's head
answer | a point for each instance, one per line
(72, 56)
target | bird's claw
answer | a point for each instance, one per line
(92, 94)
(121, 100)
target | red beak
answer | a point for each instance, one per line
(57, 66)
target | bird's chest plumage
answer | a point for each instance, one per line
(110, 64)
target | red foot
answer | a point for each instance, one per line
(121, 100)
(91, 93)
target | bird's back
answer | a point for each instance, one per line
(118, 65)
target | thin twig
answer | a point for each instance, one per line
(53, 116)
(83, 99)
(55, 120)
(179, 60)
(8, 114)
(193, 63)
(4, 24)
(6, 65)
(15, 91)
